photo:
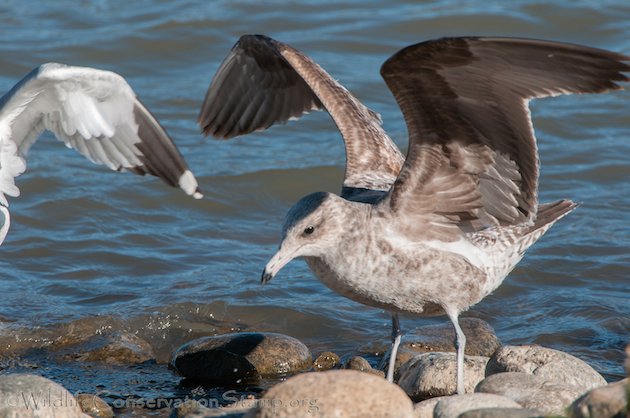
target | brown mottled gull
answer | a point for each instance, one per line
(438, 232)
(93, 111)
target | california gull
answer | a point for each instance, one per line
(436, 232)
(93, 111)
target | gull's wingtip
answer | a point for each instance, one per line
(188, 183)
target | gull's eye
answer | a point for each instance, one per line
(309, 230)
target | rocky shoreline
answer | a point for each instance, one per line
(266, 374)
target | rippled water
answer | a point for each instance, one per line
(85, 241)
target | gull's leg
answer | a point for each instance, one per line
(396, 336)
(461, 345)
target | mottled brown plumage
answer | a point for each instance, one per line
(465, 105)
(436, 234)
(263, 81)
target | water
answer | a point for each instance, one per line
(86, 243)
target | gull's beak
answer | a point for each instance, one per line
(275, 264)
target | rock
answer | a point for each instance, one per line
(193, 409)
(335, 393)
(240, 357)
(115, 348)
(188, 408)
(94, 406)
(360, 364)
(27, 395)
(424, 409)
(547, 363)
(608, 401)
(627, 362)
(502, 413)
(435, 374)
(453, 406)
(480, 340)
(326, 361)
(531, 391)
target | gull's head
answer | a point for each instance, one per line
(310, 229)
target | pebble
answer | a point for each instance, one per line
(549, 364)
(326, 361)
(116, 348)
(28, 395)
(481, 340)
(193, 409)
(241, 357)
(435, 374)
(335, 393)
(454, 406)
(94, 406)
(360, 364)
(603, 402)
(531, 391)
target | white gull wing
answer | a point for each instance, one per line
(93, 111)
(472, 159)
(262, 82)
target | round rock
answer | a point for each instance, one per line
(502, 413)
(547, 363)
(94, 406)
(531, 391)
(603, 402)
(27, 395)
(335, 393)
(240, 357)
(481, 340)
(326, 361)
(360, 364)
(424, 409)
(114, 348)
(435, 374)
(454, 406)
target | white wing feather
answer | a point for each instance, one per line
(92, 111)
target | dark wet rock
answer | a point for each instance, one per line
(326, 361)
(424, 409)
(241, 357)
(435, 374)
(94, 406)
(115, 348)
(335, 393)
(531, 391)
(454, 406)
(608, 401)
(549, 364)
(27, 395)
(360, 364)
(480, 340)
(502, 413)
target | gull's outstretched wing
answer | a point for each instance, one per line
(93, 111)
(263, 81)
(472, 152)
